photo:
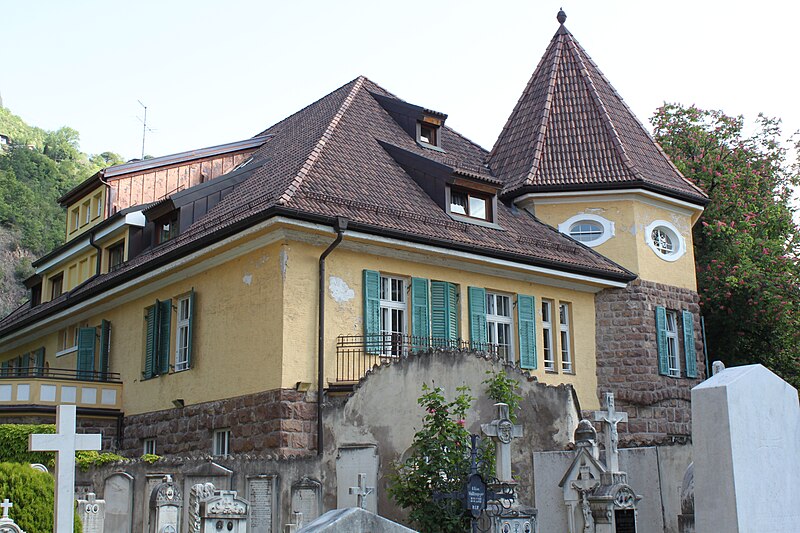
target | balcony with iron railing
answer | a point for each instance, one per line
(356, 354)
(43, 387)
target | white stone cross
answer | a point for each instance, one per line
(502, 430)
(65, 442)
(362, 491)
(6, 505)
(610, 417)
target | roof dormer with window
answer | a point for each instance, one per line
(423, 125)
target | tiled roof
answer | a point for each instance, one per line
(327, 161)
(570, 130)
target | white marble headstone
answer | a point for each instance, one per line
(746, 438)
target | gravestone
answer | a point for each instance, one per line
(65, 442)
(306, 500)
(224, 512)
(261, 495)
(118, 495)
(92, 512)
(361, 491)
(7, 525)
(610, 418)
(502, 431)
(197, 494)
(151, 481)
(166, 503)
(746, 438)
(209, 472)
(353, 519)
(350, 462)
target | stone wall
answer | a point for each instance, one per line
(281, 421)
(105, 426)
(658, 407)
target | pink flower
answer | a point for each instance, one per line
(461, 422)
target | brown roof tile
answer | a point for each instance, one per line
(571, 130)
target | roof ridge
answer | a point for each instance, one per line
(548, 104)
(604, 114)
(312, 158)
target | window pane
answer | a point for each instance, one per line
(458, 202)
(545, 312)
(662, 241)
(477, 207)
(586, 231)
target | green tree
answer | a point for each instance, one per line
(106, 159)
(746, 244)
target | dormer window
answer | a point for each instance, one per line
(167, 227)
(471, 204)
(428, 131)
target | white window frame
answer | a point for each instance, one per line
(673, 344)
(221, 444)
(547, 337)
(149, 446)
(608, 227)
(678, 242)
(393, 313)
(182, 333)
(565, 338)
(496, 323)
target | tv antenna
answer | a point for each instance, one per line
(145, 129)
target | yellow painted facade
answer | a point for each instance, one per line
(255, 319)
(631, 215)
(86, 212)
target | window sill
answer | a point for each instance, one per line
(475, 221)
(547, 371)
(431, 147)
(67, 351)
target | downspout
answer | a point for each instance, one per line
(340, 226)
(99, 253)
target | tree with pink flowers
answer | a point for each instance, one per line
(747, 244)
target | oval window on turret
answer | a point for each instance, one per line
(665, 240)
(591, 230)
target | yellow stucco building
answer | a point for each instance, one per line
(198, 288)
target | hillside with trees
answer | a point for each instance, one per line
(36, 168)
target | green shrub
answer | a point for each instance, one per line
(31, 492)
(150, 458)
(86, 459)
(14, 444)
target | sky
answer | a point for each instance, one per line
(212, 72)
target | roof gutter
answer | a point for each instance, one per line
(340, 227)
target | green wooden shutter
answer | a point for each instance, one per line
(4, 368)
(165, 320)
(661, 340)
(372, 311)
(688, 344)
(444, 313)
(526, 308)
(38, 362)
(420, 316)
(191, 327)
(105, 348)
(86, 342)
(477, 318)
(150, 341)
(25, 368)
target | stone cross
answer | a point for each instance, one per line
(611, 418)
(502, 430)
(362, 491)
(6, 505)
(65, 442)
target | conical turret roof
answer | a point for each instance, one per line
(571, 130)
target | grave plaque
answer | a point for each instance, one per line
(92, 512)
(224, 511)
(306, 495)
(261, 496)
(350, 462)
(118, 494)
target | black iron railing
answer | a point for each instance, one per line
(356, 354)
(59, 373)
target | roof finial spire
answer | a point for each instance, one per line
(561, 17)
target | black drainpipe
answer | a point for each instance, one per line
(99, 254)
(340, 226)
